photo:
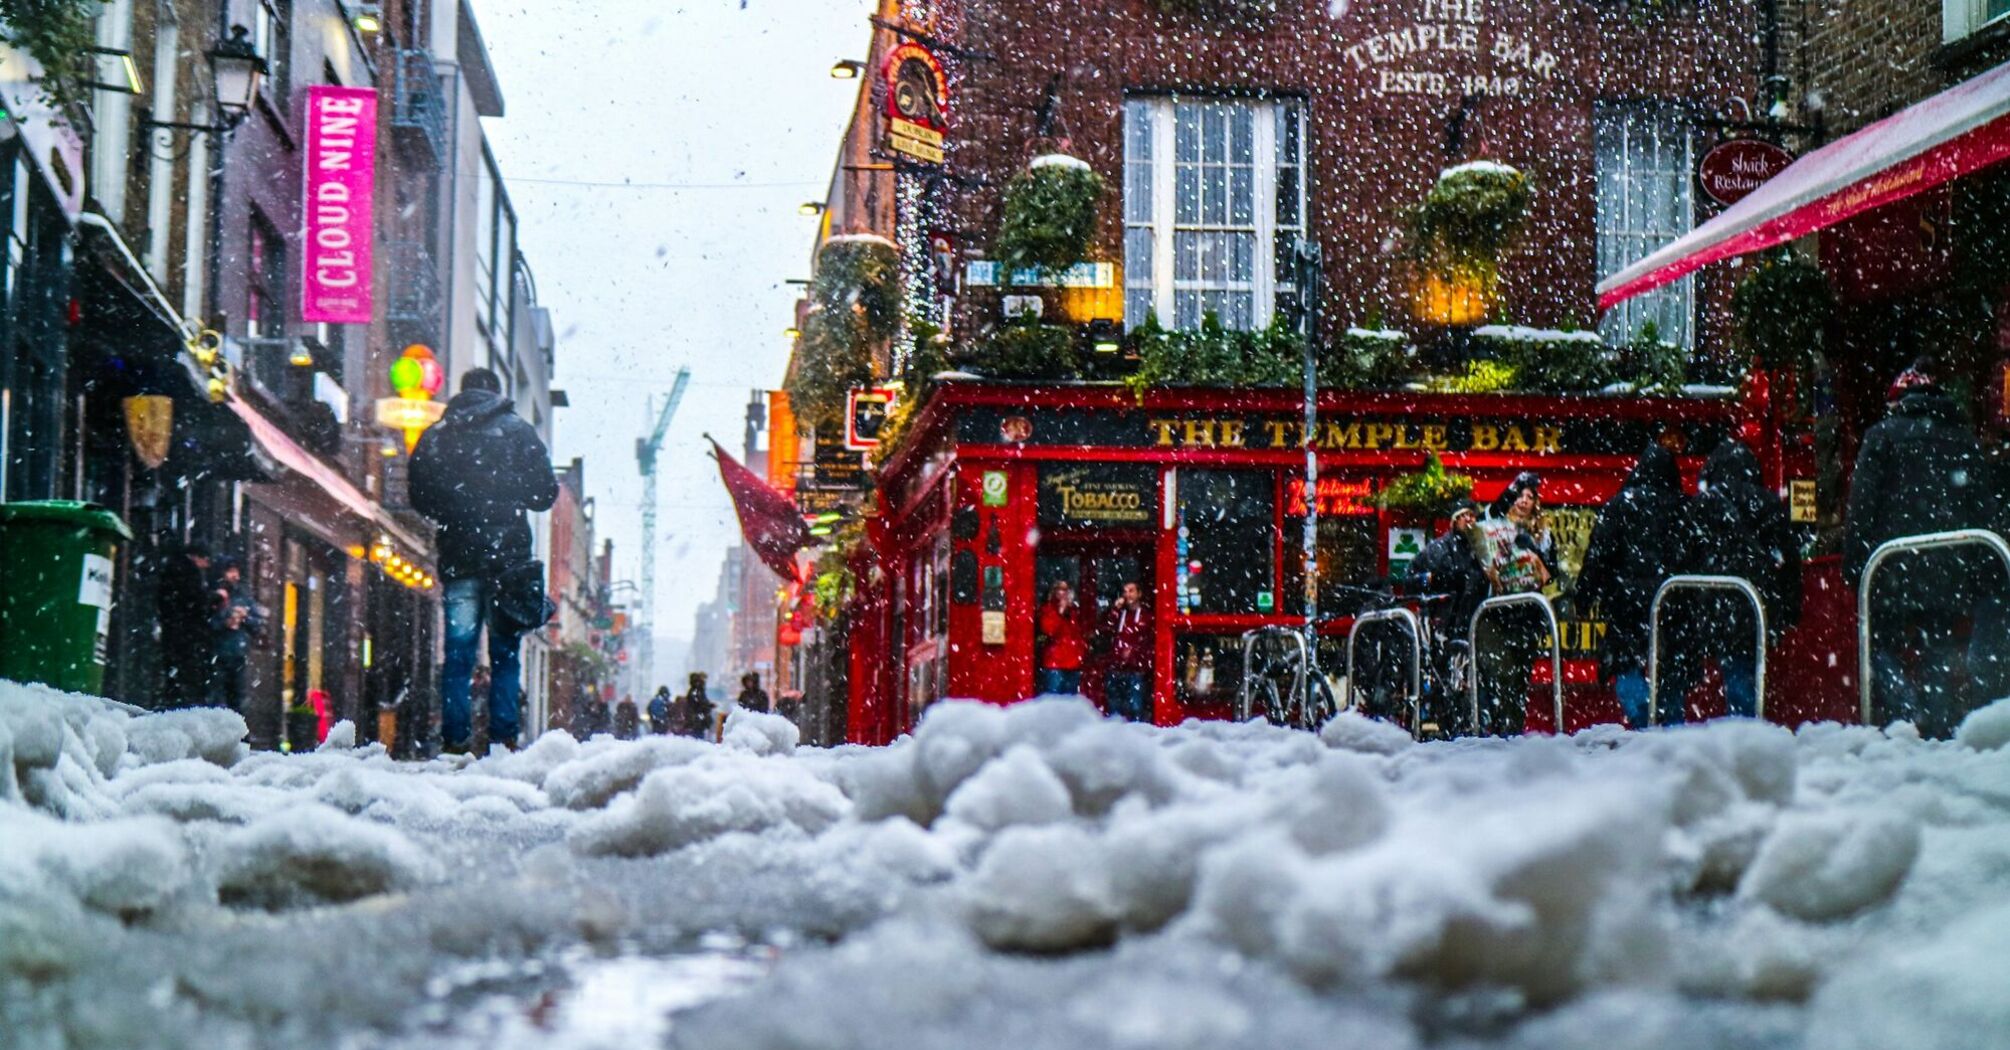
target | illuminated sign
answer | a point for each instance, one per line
(1338, 498)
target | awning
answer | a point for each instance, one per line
(294, 458)
(1960, 130)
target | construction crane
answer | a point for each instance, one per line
(645, 458)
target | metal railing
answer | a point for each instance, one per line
(1409, 621)
(419, 106)
(1542, 601)
(1703, 583)
(414, 284)
(1908, 545)
(1299, 682)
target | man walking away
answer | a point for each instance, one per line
(693, 715)
(752, 697)
(1640, 540)
(1128, 629)
(234, 620)
(1739, 529)
(659, 711)
(475, 474)
(627, 720)
(183, 606)
(1920, 470)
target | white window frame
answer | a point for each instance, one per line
(1265, 282)
(1964, 18)
(1624, 321)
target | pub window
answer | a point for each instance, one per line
(1214, 201)
(1960, 18)
(1646, 164)
(1231, 540)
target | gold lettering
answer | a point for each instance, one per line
(1486, 437)
(1277, 431)
(1548, 439)
(1435, 439)
(1200, 432)
(1164, 429)
(1231, 433)
(1404, 436)
(1377, 433)
(1515, 441)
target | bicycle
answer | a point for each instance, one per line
(1445, 657)
(1270, 653)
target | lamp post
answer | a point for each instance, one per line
(1307, 272)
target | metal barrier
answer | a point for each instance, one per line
(1409, 620)
(1555, 650)
(1249, 675)
(1691, 582)
(1906, 545)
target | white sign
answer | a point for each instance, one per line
(96, 586)
(985, 273)
(1405, 544)
(1413, 59)
(1017, 306)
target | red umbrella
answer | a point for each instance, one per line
(769, 520)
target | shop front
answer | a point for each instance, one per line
(1198, 497)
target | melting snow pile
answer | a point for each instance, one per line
(1024, 877)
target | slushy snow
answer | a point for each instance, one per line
(1024, 877)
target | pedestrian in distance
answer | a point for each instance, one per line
(476, 473)
(1449, 566)
(235, 620)
(693, 715)
(593, 717)
(183, 605)
(752, 697)
(627, 720)
(659, 711)
(1640, 540)
(1736, 528)
(1519, 557)
(1059, 639)
(1921, 470)
(1127, 633)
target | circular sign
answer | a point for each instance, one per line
(1732, 170)
(1015, 429)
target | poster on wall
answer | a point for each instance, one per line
(337, 209)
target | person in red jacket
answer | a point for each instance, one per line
(1062, 647)
(1127, 630)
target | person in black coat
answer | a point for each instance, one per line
(476, 473)
(1736, 528)
(1640, 540)
(1921, 470)
(184, 603)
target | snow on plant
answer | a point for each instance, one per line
(1048, 218)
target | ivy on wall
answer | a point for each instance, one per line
(56, 33)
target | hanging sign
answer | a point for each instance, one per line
(337, 210)
(150, 426)
(917, 103)
(865, 414)
(1733, 169)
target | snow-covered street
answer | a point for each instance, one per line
(1023, 877)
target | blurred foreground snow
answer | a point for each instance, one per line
(1027, 877)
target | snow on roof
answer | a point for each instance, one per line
(1058, 160)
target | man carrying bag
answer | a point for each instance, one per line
(475, 474)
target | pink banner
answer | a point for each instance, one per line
(337, 210)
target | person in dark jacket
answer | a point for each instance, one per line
(592, 718)
(627, 720)
(1448, 577)
(1127, 628)
(475, 473)
(659, 711)
(184, 604)
(1921, 470)
(1736, 528)
(1640, 540)
(752, 696)
(694, 709)
(234, 621)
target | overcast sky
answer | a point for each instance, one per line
(730, 118)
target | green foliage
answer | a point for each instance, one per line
(1024, 348)
(1367, 358)
(1782, 308)
(1658, 367)
(59, 35)
(1432, 490)
(1473, 215)
(831, 361)
(1049, 217)
(859, 279)
(831, 581)
(1548, 361)
(1479, 377)
(1213, 355)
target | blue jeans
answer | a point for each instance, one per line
(1124, 693)
(1052, 680)
(1741, 690)
(1632, 689)
(467, 604)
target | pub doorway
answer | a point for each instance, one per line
(1097, 569)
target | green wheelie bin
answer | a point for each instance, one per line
(57, 578)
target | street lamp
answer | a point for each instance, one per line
(810, 208)
(847, 69)
(368, 18)
(238, 72)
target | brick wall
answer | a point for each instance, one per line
(1372, 152)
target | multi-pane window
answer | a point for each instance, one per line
(1645, 159)
(1214, 202)
(265, 310)
(1959, 18)
(272, 36)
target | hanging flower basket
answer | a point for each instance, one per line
(858, 276)
(1049, 215)
(1471, 217)
(1431, 491)
(1782, 307)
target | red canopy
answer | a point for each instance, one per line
(1956, 132)
(769, 520)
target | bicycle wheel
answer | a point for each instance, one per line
(1323, 706)
(1455, 684)
(1273, 703)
